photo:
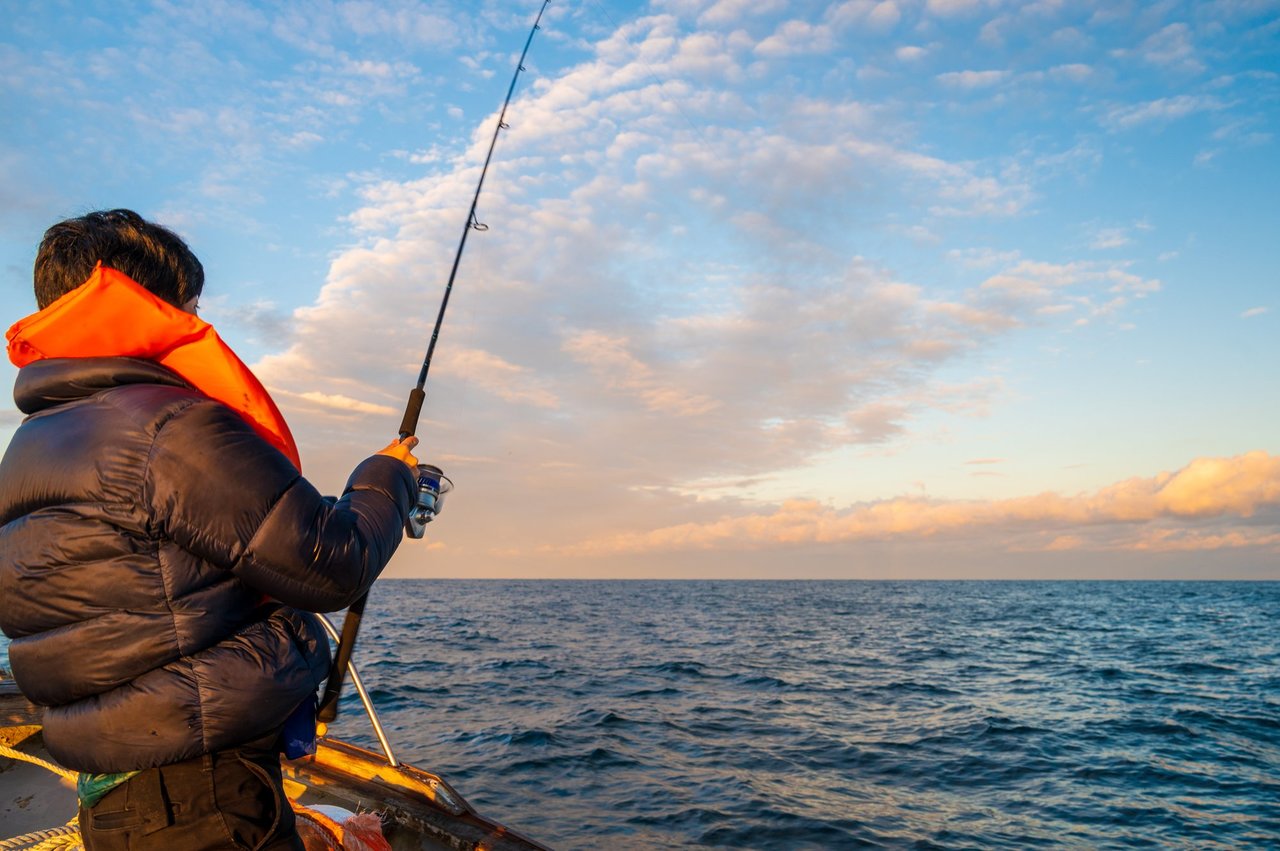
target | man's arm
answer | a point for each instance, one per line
(226, 495)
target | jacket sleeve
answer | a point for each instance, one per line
(227, 496)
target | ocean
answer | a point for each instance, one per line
(817, 715)
(795, 715)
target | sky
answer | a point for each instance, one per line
(770, 289)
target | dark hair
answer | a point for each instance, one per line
(152, 255)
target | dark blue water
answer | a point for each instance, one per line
(797, 715)
(840, 714)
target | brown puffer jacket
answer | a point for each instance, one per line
(143, 528)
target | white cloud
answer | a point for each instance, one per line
(952, 8)
(672, 290)
(983, 258)
(302, 139)
(1171, 47)
(616, 368)
(374, 69)
(725, 243)
(1162, 110)
(1075, 72)
(733, 12)
(884, 15)
(1245, 133)
(707, 55)
(797, 37)
(1098, 289)
(510, 382)
(403, 20)
(336, 402)
(555, 327)
(866, 15)
(1110, 238)
(972, 79)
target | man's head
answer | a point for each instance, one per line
(152, 255)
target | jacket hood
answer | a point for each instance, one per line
(112, 316)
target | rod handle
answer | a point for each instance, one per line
(328, 710)
(409, 425)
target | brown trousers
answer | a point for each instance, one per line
(231, 799)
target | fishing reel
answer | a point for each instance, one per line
(433, 484)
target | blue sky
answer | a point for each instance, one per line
(943, 288)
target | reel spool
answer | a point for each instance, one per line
(433, 484)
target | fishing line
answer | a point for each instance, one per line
(430, 480)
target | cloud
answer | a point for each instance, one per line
(972, 79)
(374, 70)
(1224, 489)
(983, 258)
(1171, 47)
(616, 368)
(1254, 311)
(506, 380)
(952, 8)
(732, 12)
(1191, 540)
(316, 28)
(1243, 132)
(729, 239)
(869, 15)
(302, 139)
(1110, 238)
(336, 402)
(672, 292)
(261, 321)
(1075, 72)
(797, 37)
(884, 15)
(1162, 110)
(1090, 290)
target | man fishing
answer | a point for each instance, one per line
(160, 551)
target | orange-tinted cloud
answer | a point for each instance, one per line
(621, 371)
(1167, 510)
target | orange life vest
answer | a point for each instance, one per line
(111, 315)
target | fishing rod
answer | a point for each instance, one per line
(432, 483)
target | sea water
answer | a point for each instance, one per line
(797, 715)
(793, 715)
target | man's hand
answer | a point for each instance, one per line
(402, 450)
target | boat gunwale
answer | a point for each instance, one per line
(422, 800)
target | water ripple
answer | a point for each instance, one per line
(797, 715)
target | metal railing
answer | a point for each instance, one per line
(364, 696)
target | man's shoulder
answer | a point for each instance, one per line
(144, 409)
(55, 383)
(153, 403)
